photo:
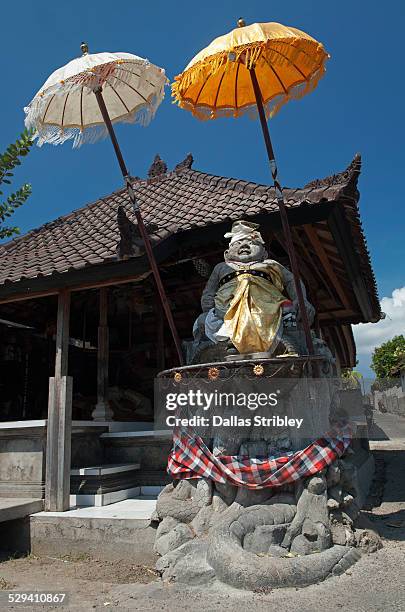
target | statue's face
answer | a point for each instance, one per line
(245, 251)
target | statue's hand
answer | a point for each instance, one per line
(309, 309)
(289, 320)
(296, 307)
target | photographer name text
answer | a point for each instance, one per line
(217, 420)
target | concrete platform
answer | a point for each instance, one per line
(12, 508)
(135, 508)
(114, 532)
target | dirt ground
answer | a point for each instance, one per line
(86, 581)
(375, 584)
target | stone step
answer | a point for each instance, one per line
(104, 470)
(100, 485)
(148, 448)
(150, 435)
(99, 500)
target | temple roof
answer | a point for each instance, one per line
(175, 203)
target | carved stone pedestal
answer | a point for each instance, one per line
(290, 535)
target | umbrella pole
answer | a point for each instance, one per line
(141, 225)
(283, 213)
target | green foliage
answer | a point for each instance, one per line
(387, 357)
(351, 379)
(8, 161)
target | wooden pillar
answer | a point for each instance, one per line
(59, 430)
(102, 411)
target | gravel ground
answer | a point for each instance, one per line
(375, 584)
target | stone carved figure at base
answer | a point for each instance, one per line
(249, 303)
(290, 536)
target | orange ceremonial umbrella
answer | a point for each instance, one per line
(255, 69)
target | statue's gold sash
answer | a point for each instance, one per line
(253, 318)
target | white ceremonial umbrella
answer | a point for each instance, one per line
(66, 108)
(83, 99)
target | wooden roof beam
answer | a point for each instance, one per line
(348, 335)
(337, 313)
(320, 251)
(341, 232)
(312, 264)
(308, 273)
(340, 346)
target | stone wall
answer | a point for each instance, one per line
(392, 400)
(23, 455)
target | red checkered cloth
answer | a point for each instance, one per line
(191, 458)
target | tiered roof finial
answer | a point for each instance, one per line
(158, 167)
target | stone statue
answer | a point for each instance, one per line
(249, 303)
(296, 531)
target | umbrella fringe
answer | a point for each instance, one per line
(55, 134)
(252, 53)
(271, 105)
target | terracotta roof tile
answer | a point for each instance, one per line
(175, 201)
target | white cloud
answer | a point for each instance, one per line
(370, 335)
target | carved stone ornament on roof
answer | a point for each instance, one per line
(186, 163)
(157, 168)
(130, 243)
(337, 179)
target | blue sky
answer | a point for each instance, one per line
(358, 106)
